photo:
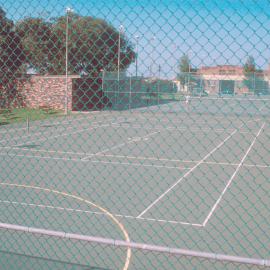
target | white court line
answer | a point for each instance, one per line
(46, 132)
(97, 213)
(90, 127)
(185, 175)
(68, 121)
(184, 161)
(126, 157)
(43, 151)
(185, 120)
(175, 128)
(62, 135)
(62, 129)
(98, 161)
(136, 139)
(232, 177)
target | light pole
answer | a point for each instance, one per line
(159, 69)
(121, 31)
(189, 69)
(68, 11)
(137, 50)
(152, 56)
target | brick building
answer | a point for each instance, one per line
(226, 79)
(54, 92)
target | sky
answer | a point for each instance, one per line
(210, 32)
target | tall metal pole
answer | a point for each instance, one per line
(68, 10)
(129, 101)
(189, 76)
(159, 69)
(152, 56)
(102, 83)
(121, 29)
(189, 69)
(137, 50)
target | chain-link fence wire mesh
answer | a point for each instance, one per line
(134, 135)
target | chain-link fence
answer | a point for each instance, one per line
(134, 135)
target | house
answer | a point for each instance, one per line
(225, 79)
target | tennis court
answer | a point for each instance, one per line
(134, 135)
(177, 178)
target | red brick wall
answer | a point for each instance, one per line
(45, 91)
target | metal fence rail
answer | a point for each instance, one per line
(140, 246)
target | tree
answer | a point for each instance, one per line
(184, 64)
(11, 57)
(185, 73)
(249, 73)
(92, 45)
(36, 39)
(11, 53)
(184, 68)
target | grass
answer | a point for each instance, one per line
(21, 115)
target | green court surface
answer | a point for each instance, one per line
(183, 180)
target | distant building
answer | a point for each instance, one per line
(224, 79)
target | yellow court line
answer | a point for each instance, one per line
(114, 219)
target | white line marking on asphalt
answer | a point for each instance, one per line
(185, 175)
(96, 213)
(232, 177)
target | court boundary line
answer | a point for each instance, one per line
(134, 140)
(93, 124)
(233, 176)
(97, 161)
(68, 209)
(90, 127)
(125, 126)
(46, 132)
(185, 175)
(117, 157)
(212, 118)
(175, 128)
(60, 135)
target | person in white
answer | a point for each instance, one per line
(187, 100)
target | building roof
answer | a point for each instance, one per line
(222, 70)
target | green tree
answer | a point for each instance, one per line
(11, 57)
(249, 73)
(185, 75)
(92, 45)
(36, 36)
(184, 63)
(11, 54)
(184, 69)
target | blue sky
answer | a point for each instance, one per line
(211, 32)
